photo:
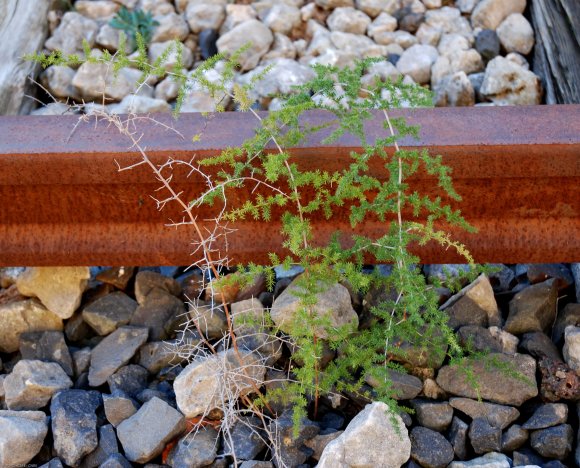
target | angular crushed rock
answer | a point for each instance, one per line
(47, 346)
(499, 416)
(22, 434)
(109, 312)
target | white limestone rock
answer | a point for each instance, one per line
(516, 34)
(348, 20)
(57, 79)
(488, 14)
(253, 31)
(332, 4)
(416, 62)
(22, 434)
(455, 90)
(237, 14)
(134, 104)
(571, 350)
(171, 27)
(506, 83)
(97, 9)
(156, 49)
(69, 36)
(281, 18)
(374, 8)
(202, 16)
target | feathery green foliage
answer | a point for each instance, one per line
(135, 23)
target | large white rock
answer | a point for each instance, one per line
(370, 439)
(571, 349)
(60, 289)
(237, 14)
(74, 28)
(23, 29)
(253, 31)
(97, 9)
(455, 90)
(347, 19)
(22, 434)
(374, 8)
(416, 62)
(207, 383)
(488, 14)
(516, 34)
(449, 20)
(507, 83)
(202, 16)
(156, 49)
(171, 27)
(58, 80)
(281, 18)
(382, 24)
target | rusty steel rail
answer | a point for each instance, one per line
(64, 203)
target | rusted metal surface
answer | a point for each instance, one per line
(64, 203)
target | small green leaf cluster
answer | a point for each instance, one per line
(135, 23)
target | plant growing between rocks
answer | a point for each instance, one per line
(405, 318)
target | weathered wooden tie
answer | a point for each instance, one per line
(64, 203)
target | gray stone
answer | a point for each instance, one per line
(53, 108)
(54, 463)
(473, 305)
(496, 415)
(575, 267)
(31, 384)
(508, 342)
(458, 438)
(348, 20)
(533, 309)
(211, 320)
(514, 438)
(539, 345)
(131, 380)
(547, 415)
(569, 315)
(76, 329)
(487, 44)
(433, 415)
(116, 460)
(319, 442)
(73, 29)
(109, 312)
(404, 386)
(22, 434)
(495, 384)
(490, 13)
(252, 31)
(145, 434)
(516, 34)
(58, 80)
(147, 281)
(449, 21)
(489, 460)
(74, 424)
(333, 303)
(17, 317)
(571, 349)
(171, 58)
(119, 407)
(115, 351)
(540, 272)
(332, 4)
(195, 450)
(97, 9)
(107, 447)
(60, 289)
(135, 104)
(507, 83)
(46, 346)
(171, 27)
(157, 355)
(204, 16)
(110, 38)
(205, 383)
(553, 442)
(375, 437)
(484, 437)
(156, 310)
(455, 90)
(281, 18)
(478, 338)
(526, 456)
(246, 438)
(429, 448)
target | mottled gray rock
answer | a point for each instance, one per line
(58, 80)
(575, 267)
(484, 437)
(433, 415)
(147, 281)
(429, 448)
(107, 447)
(370, 439)
(508, 342)
(252, 31)
(547, 415)
(74, 424)
(157, 355)
(59, 288)
(507, 83)
(110, 38)
(116, 460)
(246, 438)
(495, 384)
(404, 386)
(319, 442)
(455, 90)
(135, 104)
(497, 415)
(211, 320)
(195, 450)
(533, 309)
(53, 108)
(145, 434)
(115, 351)
(516, 34)
(513, 438)
(553, 442)
(348, 20)
(478, 338)
(46, 346)
(118, 407)
(76, 329)
(539, 345)
(489, 14)
(22, 434)
(458, 438)
(416, 62)
(206, 382)
(157, 309)
(171, 27)
(18, 317)
(473, 305)
(331, 4)
(73, 29)
(109, 312)
(569, 315)
(131, 380)
(487, 44)
(203, 16)
(54, 463)
(571, 349)
(449, 20)
(31, 384)
(281, 17)
(489, 460)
